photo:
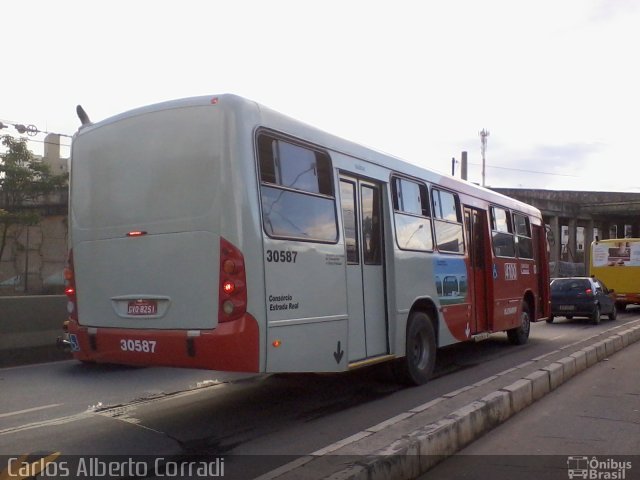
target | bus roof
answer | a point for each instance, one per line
(278, 121)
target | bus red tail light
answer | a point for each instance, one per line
(232, 290)
(70, 287)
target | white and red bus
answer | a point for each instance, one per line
(213, 232)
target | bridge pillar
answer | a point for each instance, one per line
(571, 241)
(554, 254)
(588, 238)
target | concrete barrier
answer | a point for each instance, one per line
(29, 327)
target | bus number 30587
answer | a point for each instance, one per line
(283, 256)
(146, 346)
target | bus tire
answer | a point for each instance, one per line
(550, 319)
(621, 306)
(417, 366)
(520, 335)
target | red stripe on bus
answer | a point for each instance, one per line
(232, 346)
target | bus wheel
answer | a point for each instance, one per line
(520, 335)
(418, 364)
(621, 306)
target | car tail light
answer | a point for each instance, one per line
(232, 290)
(589, 292)
(70, 287)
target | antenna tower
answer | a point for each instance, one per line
(484, 133)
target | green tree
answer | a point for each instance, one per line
(24, 181)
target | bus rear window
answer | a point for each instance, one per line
(151, 168)
(296, 190)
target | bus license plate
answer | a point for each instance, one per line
(142, 307)
(567, 307)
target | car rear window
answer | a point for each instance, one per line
(569, 285)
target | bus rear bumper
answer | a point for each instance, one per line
(628, 298)
(231, 346)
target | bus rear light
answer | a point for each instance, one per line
(229, 267)
(276, 343)
(70, 287)
(68, 274)
(136, 233)
(232, 295)
(228, 287)
(227, 307)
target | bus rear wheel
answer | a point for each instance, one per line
(417, 366)
(520, 335)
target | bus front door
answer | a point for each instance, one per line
(362, 223)
(477, 241)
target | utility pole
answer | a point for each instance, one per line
(484, 133)
(464, 166)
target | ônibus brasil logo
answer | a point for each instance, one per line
(595, 469)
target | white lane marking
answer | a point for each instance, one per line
(46, 423)
(28, 410)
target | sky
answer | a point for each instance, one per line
(555, 82)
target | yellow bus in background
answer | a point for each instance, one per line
(617, 263)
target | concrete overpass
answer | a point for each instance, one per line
(576, 218)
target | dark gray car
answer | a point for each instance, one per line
(581, 297)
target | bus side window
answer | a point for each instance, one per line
(411, 215)
(502, 233)
(297, 191)
(447, 221)
(524, 244)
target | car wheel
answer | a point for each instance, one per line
(568, 317)
(613, 314)
(595, 316)
(550, 319)
(420, 356)
(520, 335)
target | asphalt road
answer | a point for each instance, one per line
(109, 410)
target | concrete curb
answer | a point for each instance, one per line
(415, 452)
